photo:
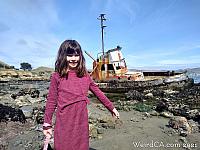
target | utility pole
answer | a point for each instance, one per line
(102, 18)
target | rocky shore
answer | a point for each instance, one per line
(170, 112)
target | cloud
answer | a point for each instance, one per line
(169, 52)
(28, 14)
(28, 36)
(22, 42)
(159, 13)
(4, 27)
(194, 59)
(126, 8)
(182, 55)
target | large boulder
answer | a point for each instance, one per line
(134, 95)
(8, 113)
(181, 124)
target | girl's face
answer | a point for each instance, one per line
(73, 60)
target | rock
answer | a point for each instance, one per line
(180, 123)
(92, 119)
(183, 139)
(106, 122)
(154, 113)
(144, 118)
(118, 122)
(39, 115)
(8, 113)
(101, 107)
(134, 119)
(158, 92)
(99, 137)
(104, 119)
(177, 122)
(149, 95)
(38, 127)
(197, 118)
(134, 95)
(35, 93)
(166, 114)
(23, 101)
(192, 113)
(125, 105)
(100, 130)
(179, 110)
(4, 145)
(110, 125)
(126, 108)
(23, 92)
(7, 100)
(27, 110)
(194, 126)
(170, 91)
(93, 131)
(14, 96)
(34, 100)
(183, 133)
(146, 114)
(162, 106)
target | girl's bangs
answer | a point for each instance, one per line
(71, 51)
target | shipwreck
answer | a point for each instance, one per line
(112, 75)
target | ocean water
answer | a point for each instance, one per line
(195, 76)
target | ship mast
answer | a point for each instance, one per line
(102, 19)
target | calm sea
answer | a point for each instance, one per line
(195, 76)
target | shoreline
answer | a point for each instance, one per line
(155, 106)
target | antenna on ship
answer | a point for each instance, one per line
(102, 18)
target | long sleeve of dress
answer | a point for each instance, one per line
(51, 99)
(100, 95)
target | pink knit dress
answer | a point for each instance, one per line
(69, 96)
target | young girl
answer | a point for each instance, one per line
(68, 93)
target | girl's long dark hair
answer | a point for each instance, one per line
(62, 65)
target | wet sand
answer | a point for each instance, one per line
(135, 130)
(143, 133)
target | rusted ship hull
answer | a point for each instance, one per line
(117, 86)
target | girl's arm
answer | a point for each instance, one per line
(100, 95)
(51, 100)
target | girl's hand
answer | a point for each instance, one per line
(48, 133)
(116, 113)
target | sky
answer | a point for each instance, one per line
(153, 34)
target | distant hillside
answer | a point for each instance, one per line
(43, 69)
(4, 65)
